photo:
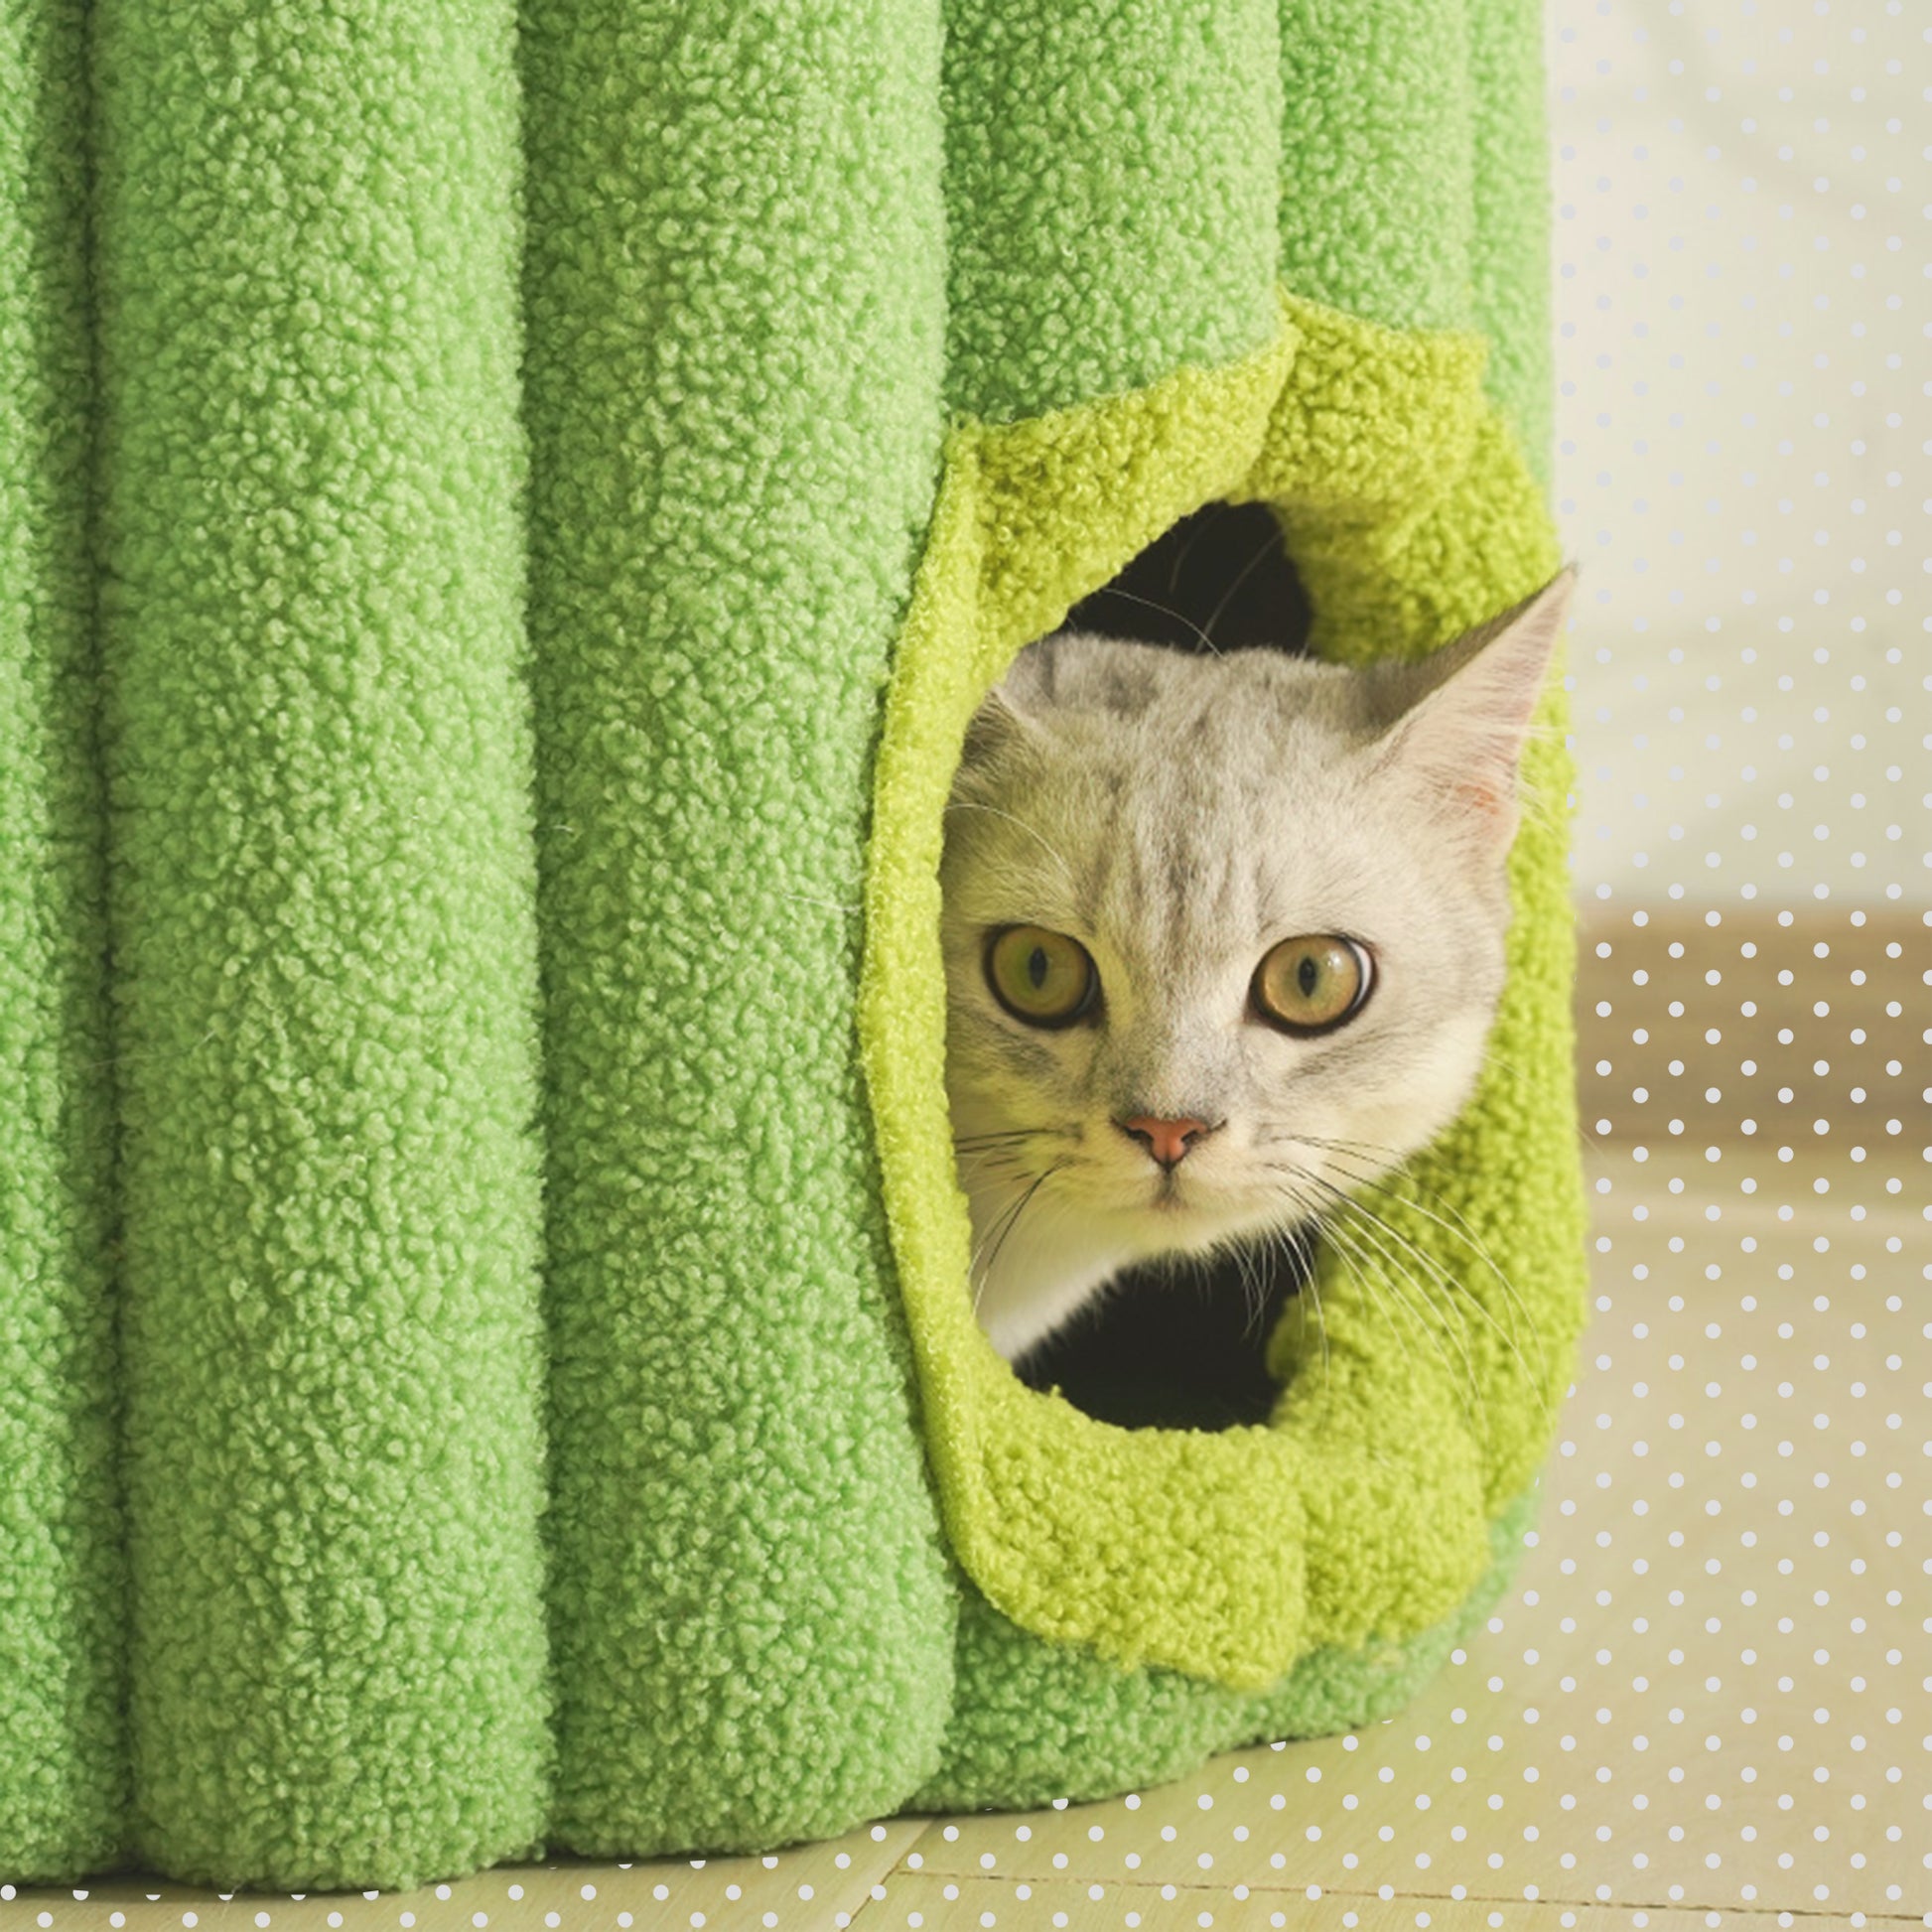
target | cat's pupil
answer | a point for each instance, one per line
(1036, 967)
(1307, 975)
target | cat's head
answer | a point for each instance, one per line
(1222, 935)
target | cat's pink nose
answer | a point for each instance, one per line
(1167, 1140)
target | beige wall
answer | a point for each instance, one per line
(1741, 243)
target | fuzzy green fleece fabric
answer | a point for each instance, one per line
(63, 1746)
(735, 412)
(323, 932)
(504, 515)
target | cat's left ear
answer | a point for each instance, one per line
(1466, 711)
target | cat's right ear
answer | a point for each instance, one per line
(1469, 710)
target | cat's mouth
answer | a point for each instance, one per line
(1201, 1183)
(1189, 1210)
(1170, 1198)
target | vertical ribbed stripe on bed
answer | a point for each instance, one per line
(1376, 199)
(321, 898)
(1110, 195)
(1510, 250)
(735, 316)
(63, 1763)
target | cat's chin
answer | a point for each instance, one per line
(1043, 1276)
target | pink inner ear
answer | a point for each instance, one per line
(1486, 796)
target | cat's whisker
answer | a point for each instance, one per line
(1254, 1289)
(1491, 1058)
(1393, 1275)
(1344, 1248)
(982, 1157)
(1345, 1204)
(1391, 1154)
(1470, 1239)
(1262, 1256)
(1241, 576)
(1202, 521)
(1356, 1249)
(1326, 1232)
(1033, 832)
(1300, 1258)
(1012, 1220)
(1320, 1140)
(997, 1150)
(830, 905)
(963, 1141)
(1446, 1313)
(1166, 611)
(987, 1163)
(1494, 1058)
(1303, 1256)
(1411, 1191)
(974, 1273)
(1531, 1376)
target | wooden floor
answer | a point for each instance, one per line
(1704, 1701)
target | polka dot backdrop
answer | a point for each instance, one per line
(1736, 1626)
(1705, 1697)
(1741, 192)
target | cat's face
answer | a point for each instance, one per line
(1223, 936)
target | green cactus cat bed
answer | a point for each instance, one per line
(503, 521)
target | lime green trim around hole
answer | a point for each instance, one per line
(1361, 1512)
(1036, 1722)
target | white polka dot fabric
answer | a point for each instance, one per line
(1741, 194)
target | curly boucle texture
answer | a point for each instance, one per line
(62, 1750)
(504, 514)
(324, 965)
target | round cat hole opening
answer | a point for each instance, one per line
(1222, 1537)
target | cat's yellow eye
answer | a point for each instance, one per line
(1043, 978)
(1311, 983)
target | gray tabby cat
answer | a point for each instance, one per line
(1223, 936)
